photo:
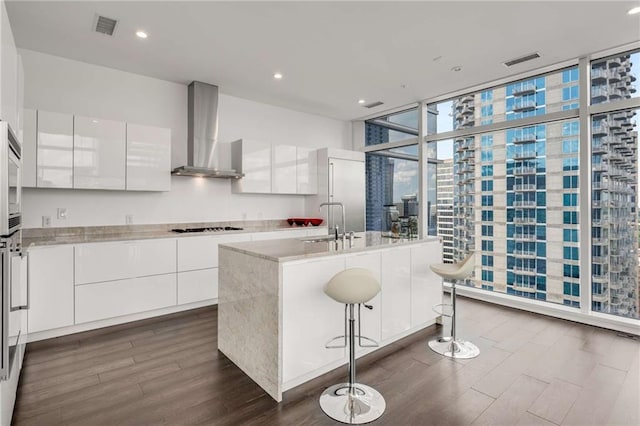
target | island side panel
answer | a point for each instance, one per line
(248, 316)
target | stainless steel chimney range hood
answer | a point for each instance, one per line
(202, 134)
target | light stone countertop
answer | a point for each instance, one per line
(33, 237)
(289, 249)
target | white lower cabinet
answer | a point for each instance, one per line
(195, 286)
(81, 283)
(116, 298)
(202, 252)
(371, 319)
(425, 284)
(309, 317)
(51, 288)
(96, 262)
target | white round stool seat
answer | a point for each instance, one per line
(353, 285)
(455, 271)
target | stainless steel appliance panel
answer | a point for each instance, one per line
(10, 181)
(15, 302)
(347, 186)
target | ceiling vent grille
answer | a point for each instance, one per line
(521, 59)
(373, 104)
(105, 25)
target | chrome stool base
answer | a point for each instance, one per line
(458, 349)
(363, 406)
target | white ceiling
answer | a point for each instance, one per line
(331, 54)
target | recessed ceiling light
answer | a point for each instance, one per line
(634, 11)
(361, 101)
(141, 34)
(277, 76)
(456, 68)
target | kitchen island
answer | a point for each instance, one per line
(274, 318)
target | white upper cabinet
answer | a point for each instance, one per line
(29, 148)
(274, 169)
(306, 170)
(283, 169)
(54, 150)
(253, 158)
(148, 158)
(99, 153)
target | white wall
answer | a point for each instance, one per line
(57, 84)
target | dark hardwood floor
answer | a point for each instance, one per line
(532, 370)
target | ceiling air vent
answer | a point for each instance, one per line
(373, 104)
(105, 25)
(521, 59)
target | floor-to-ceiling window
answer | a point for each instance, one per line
(539, 176)
(614, 186)
(392, 173)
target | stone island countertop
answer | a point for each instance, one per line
(303, 248)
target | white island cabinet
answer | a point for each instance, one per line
(274, 318)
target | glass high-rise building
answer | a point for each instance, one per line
(614, 165)
(444, 202)
(516, 199)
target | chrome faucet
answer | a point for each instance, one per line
(344, 231)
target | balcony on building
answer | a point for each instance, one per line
(524, 154)
(524, 288)
(464, 144)
(467, 109)
(599, 75)
(599, 129)
(526, 88)
(524, 220)
(524, 105)
(466, 121)
(599, 146)
(599, 94)
(525, 254)
(520, 171)
(524, 187)
(524, 270)
(467, 99)
(531, 137)
(615, 62)
(524, 237)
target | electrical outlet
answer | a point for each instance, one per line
(128, 219)
(62, 213)
(46, 221)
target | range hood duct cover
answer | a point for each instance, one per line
(202, 134)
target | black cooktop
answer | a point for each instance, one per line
(209, 229)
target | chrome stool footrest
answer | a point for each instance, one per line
(442, 312)
(360, 338)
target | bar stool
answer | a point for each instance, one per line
(352, 403)
(451, 346)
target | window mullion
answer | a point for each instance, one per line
(585, 185)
